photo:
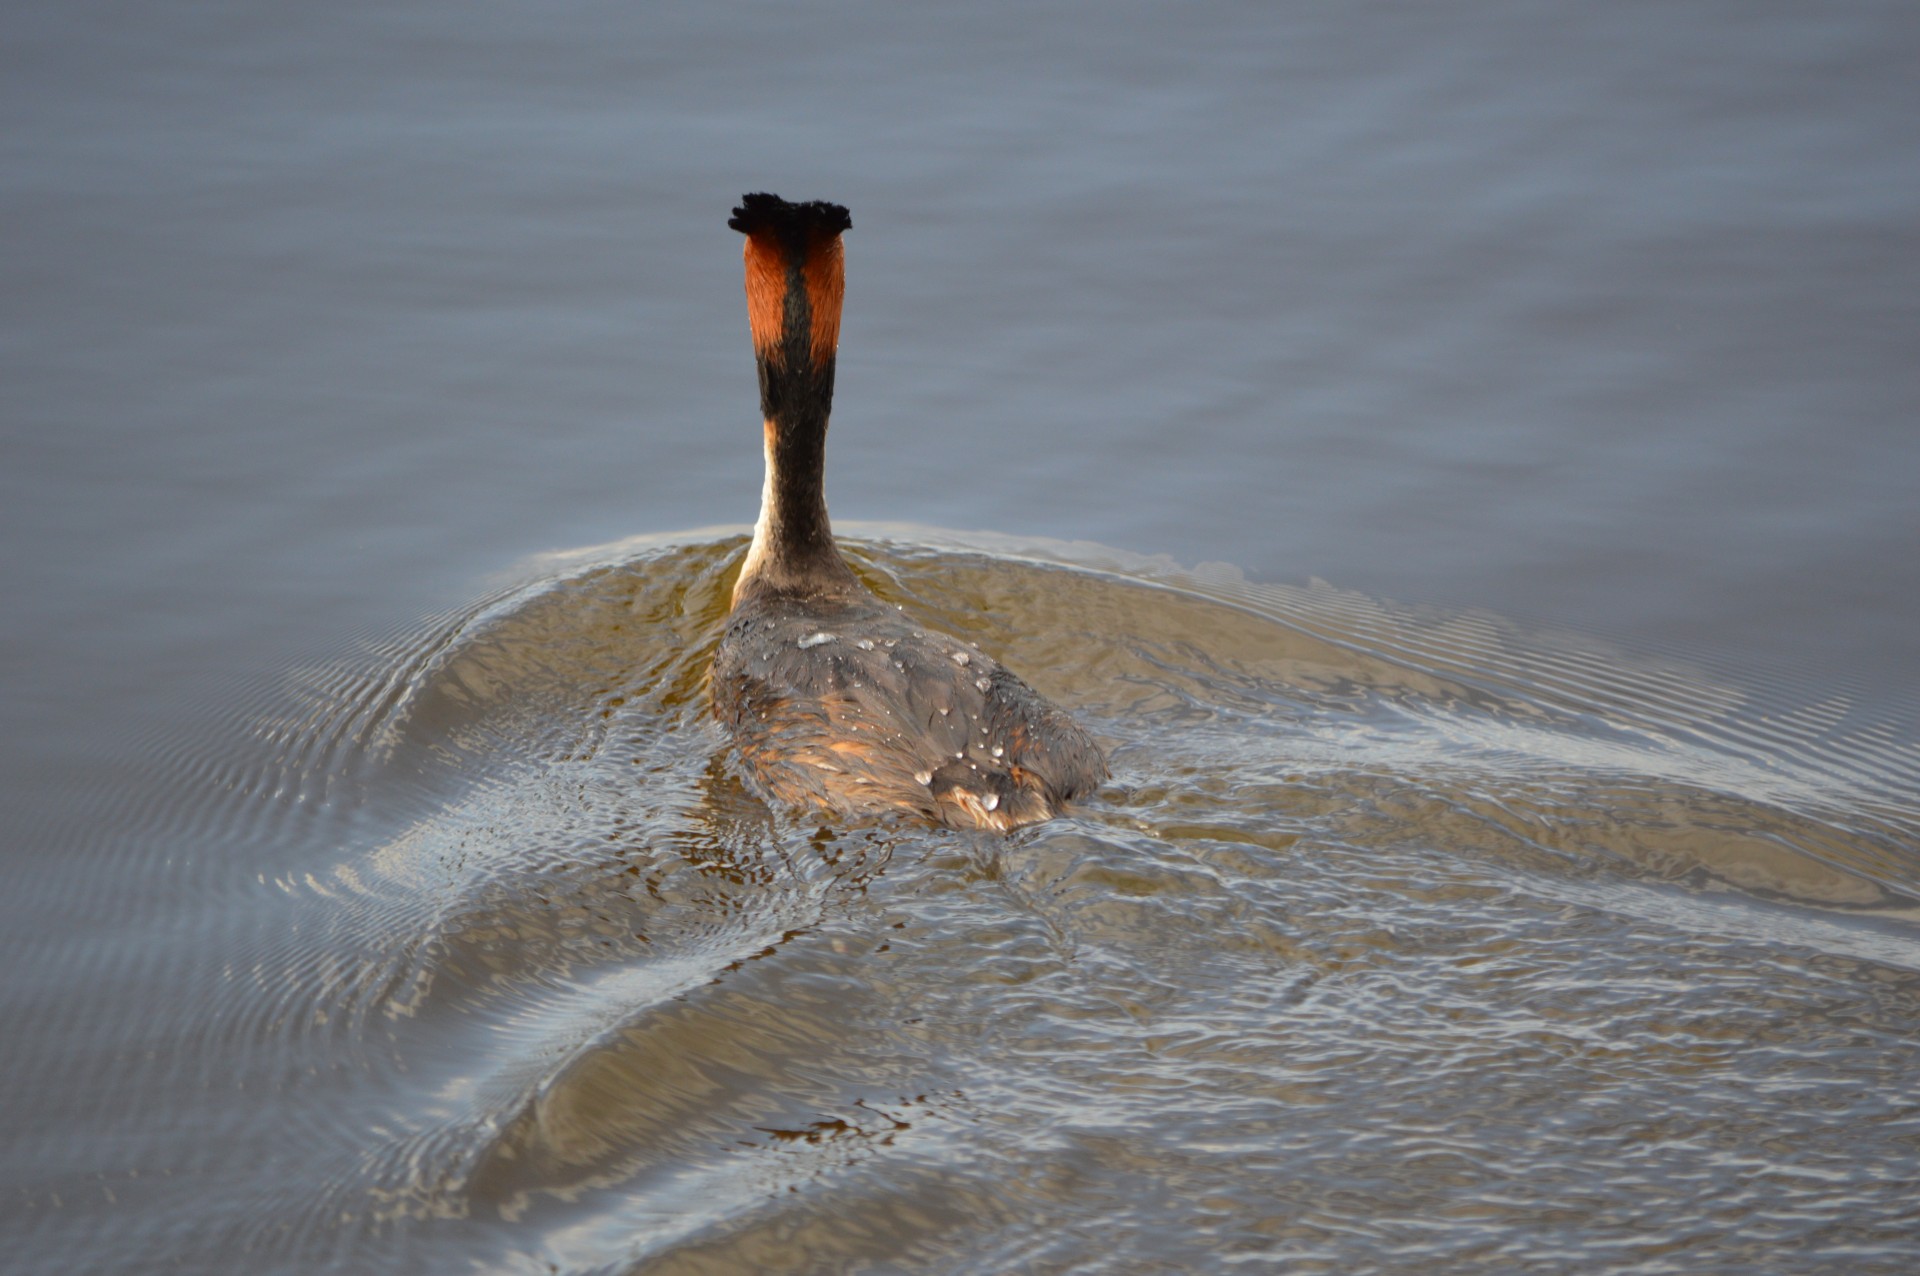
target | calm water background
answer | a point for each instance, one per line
(1597, 322)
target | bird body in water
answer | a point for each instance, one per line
(835, 700)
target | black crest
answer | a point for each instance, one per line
(763, 213)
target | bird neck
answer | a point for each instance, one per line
(793, 549)
(795, 281)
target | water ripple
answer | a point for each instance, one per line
(1399, 940)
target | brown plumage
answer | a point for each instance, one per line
(835, 700)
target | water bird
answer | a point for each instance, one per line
(836, 701)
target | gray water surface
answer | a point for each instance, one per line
(1538, 894)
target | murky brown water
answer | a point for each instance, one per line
(1399, 939)
(369, 909)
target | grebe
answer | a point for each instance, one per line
(835, 700)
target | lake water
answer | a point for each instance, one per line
(1460, 460)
